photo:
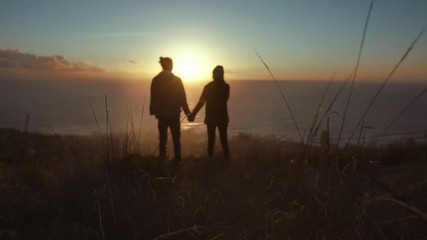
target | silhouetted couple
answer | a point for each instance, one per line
(168, 98)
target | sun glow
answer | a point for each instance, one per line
(191, 66)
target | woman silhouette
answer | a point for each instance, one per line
(215, 94)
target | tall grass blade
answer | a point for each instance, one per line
(283, 96)
(132, 136)
(419, 95)
(96, 119)
(386, 81)
(319, 123)
(108, 128)
(319, 109)
(109, 153)
(325, 115)
(360, 133)
(355, 72)
(332, 103)
(395, 197)
(140, 120)
(420, 213)
(100, 219)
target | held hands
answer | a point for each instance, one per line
(191, 117)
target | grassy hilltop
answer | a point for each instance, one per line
(63, 187)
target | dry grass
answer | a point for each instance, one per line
(265, 192)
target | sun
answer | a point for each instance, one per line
(191, 66)
(188, 70)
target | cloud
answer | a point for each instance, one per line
(131, 61)
(122, 34)
(14, 59)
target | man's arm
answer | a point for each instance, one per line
(183, 98)
(153, 97)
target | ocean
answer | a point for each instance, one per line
(255, 107)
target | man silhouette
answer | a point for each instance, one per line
(167, 99)
(215, 94)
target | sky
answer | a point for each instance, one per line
(298, 39)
